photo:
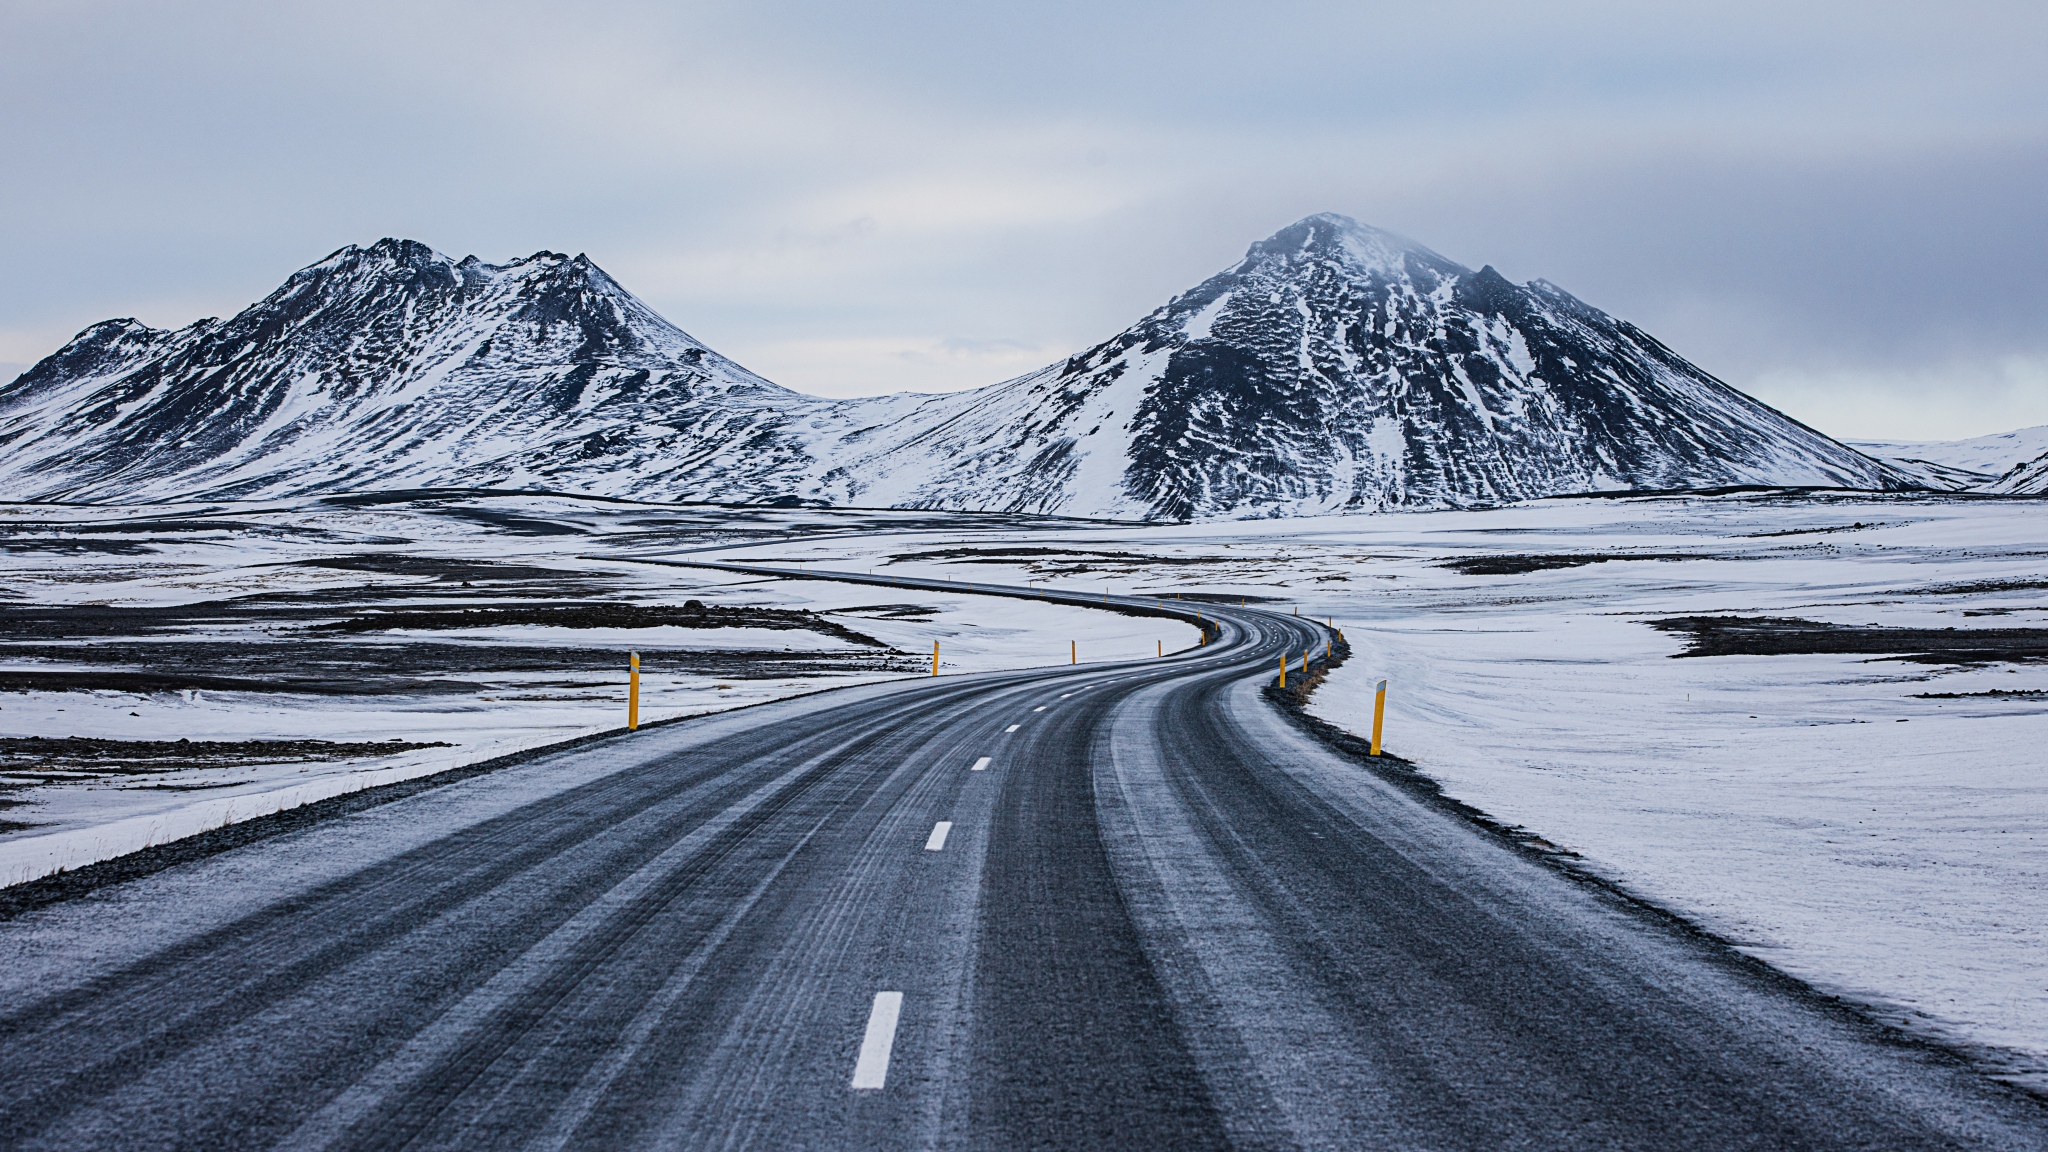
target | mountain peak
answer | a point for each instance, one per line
(409, 252)
(348, 269)
(1361, 250)
(390, 250)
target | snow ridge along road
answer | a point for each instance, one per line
(1161, 916)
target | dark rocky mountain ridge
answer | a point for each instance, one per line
(1336, 368)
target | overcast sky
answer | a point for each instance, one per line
(1841, 208)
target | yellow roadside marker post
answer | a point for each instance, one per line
(633, 694)
(1379, 714)
(1283, 669)
(935, 657)
(1074, 651)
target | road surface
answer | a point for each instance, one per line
(1123, 906)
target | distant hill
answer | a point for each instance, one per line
(2011, 462)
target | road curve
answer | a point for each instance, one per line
(1120, 905)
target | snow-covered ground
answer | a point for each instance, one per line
(1877, 826)
(1817, 810)
(225, 552)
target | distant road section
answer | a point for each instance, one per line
(1123, 906)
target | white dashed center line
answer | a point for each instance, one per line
(1012, 728)
(1040, 708)
(872, 1069)
(937, 840)
(980, 765)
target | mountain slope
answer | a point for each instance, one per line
(1980, 461)
(2027, 478)
(379, 366)
(1337, 368)
(1930, 473)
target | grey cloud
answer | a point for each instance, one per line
(1767, 187)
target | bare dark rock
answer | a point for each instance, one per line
(1785, 636)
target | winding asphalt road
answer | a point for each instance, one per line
(1124, 906)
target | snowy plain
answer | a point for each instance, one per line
(156, 556)
(1875, 823)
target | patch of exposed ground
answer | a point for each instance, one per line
(2013, 694)
(1786, 636)
(439, 568)
(292, 641)
(65, 547)
(33, 762)
(1812, 531)
(146, 682)
(1974, 588)
(1516, 565)
(338, 668)
(969, 555)
(614, 614)
(29, 758)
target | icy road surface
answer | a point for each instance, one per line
(1124, 905)
(1776, 799)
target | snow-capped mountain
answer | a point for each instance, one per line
(1339, 368)
(379, 366)
(1336, 368)
(1994, 462)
